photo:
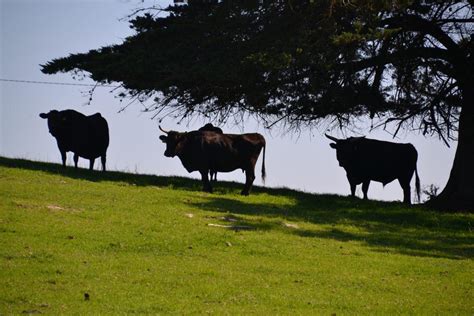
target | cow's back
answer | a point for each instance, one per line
(220, 152)
(248, 144)
(87, 136)
(234, 151)
(383, 161)
(98, 134)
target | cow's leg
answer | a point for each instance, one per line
(405, 184)
(91, 163)
(249, 178)
(103, 159)
(63, 157)
(353, 189)
(365, 188)
(205, 181)
(76, 159)
(353, 186)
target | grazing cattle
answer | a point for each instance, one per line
(85, 136)
(211, 128)
(204, 151)
(368, 160)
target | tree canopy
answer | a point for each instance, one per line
(299, 62)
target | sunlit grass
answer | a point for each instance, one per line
(143, 244)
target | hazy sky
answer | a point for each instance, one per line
(33, 32)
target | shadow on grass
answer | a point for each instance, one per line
(383, 226)
(130, 178)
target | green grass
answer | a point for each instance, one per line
(130, 242)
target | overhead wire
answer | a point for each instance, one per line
(58, 83)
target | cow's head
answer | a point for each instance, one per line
(174, 141)
(211, 128)
(56, 121)
(346, 149)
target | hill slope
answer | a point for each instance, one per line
(74, 241)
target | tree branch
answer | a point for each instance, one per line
(417, 24)
(384, 59)
(444, 21)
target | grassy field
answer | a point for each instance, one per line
(80, 242)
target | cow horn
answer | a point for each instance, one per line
(332, 138)
(162, 130)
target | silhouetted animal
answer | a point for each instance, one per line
(203, 151)
(85, 136)
(367, 159)
(211, 128)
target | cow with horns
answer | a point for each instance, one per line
(204, 151)
(368, 160)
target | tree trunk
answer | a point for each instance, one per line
(458, 195)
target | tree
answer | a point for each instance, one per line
(408, 63)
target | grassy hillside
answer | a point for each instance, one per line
(74, 241)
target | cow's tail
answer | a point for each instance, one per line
(264, 173)
(417, 184)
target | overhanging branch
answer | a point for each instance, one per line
(418, 24)
(384, 59)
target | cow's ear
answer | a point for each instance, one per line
(163, 138)
(333, 145)
(44, 115)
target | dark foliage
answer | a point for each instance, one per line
(297, 60)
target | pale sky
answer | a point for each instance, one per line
(33, 32)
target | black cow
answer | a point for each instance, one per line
(211, 128)
(85, 136)
(204, 151)
(368, 160)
